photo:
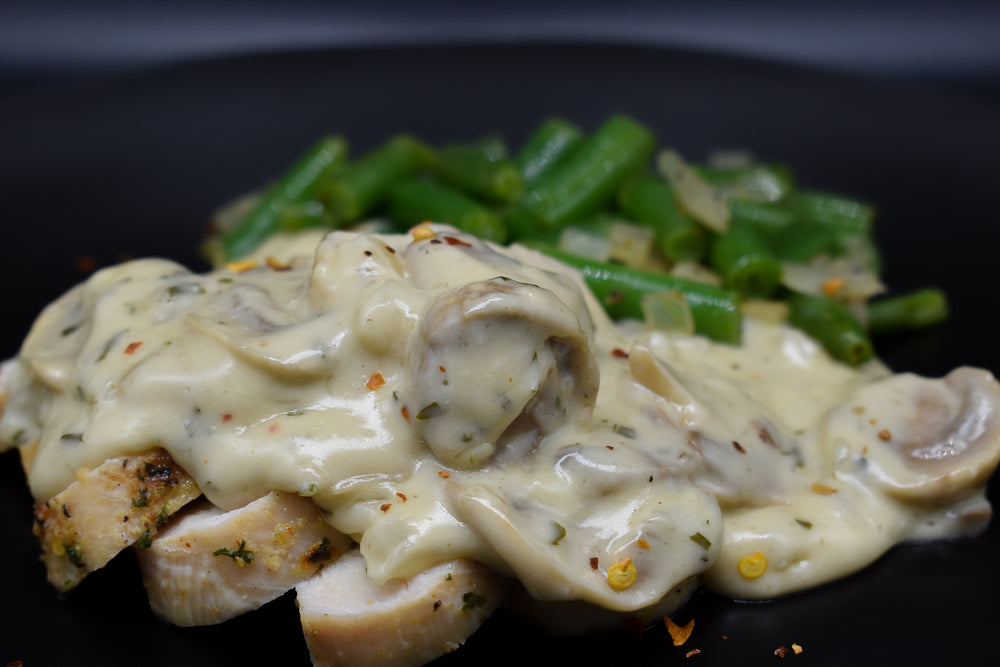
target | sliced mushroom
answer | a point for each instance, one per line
(212, 565)
(740, 454)
(349, 620)
(502, 363)
(121, 502)
(922, 440)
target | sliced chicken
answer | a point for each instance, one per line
(212, 565)
(121, 502)
(349, 620)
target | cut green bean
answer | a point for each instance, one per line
(304, 215)
(589, 178)
(714, 310)
(365, 183)
(833, 209)
(418, 200)
(906, 312)
(549, 143)
(745, 262)
(649, 200)
(767, 217)
(802, 241)
(298, 184)
(482, 170)
(832, 325)
(758, 181)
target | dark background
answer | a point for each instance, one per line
(119, 150)
(949, 45)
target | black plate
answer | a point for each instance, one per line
(134, 165)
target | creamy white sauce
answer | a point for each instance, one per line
(442, 397)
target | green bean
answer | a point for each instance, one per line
(551, 141)
(802, 241)
(590, 177)
(767, 217)
(831, 209)
(714, 310)
(297, 184)
(904, 312)
(758, 181)
(304, 215)
(832, 325)
(649, 200)
(745, 262)
(482, 170)
(365, 183)
(418, 200)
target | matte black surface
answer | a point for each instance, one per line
(133, 166)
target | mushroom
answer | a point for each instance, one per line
(501, 363)
(922, 440)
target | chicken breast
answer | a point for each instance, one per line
(121, 502)
(212, 565)
(349, 620)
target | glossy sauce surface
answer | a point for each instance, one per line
(442, 397)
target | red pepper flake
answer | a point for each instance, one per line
(884, 434)
(385, 507)
(390, 249)
(276, 265)
(442, 369)
(619, 353)
(693, 652)
(822, 489)
(782, 652)
(642, 544)
(766, 436)
(678, 633)
(738, 447)
(444, 474)
(614, 298)
(401, 496)
(228, 417)
(274, 428)
(375, 381)
(405, 411)
(593, 563)
(86, 263)
(132, 347)
(451, 240)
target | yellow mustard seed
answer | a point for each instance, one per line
(422, 232)
(752, 566)
(622, 574)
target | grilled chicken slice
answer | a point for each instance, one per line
(212, 565)
(349, 620)
(121, 502)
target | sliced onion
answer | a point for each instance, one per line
(701, 200)
(696, 271)
(630, 244)
(667, 311)
(842, 278)
(584, 243)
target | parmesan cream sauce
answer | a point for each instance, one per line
(443, 398)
